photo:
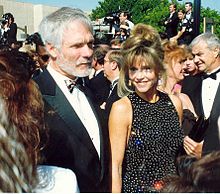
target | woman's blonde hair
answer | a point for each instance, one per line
(142, 47)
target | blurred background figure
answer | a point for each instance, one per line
(196, 176)
(171, 22)
(183, 35)
(35, 47)
(10, 30)
(115, 43)
(112, 64)
(125, 21)
(98, 83)
(190, 68)
(189, 15)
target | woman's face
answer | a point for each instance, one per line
(178, 70)
(143, 78)
(181, 15)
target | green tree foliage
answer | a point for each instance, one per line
(151, 12)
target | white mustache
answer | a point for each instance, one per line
(84, 62)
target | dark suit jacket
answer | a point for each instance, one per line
(192, 86)
(69, 143)
(171, 26)
(100, 87)
(111, 99)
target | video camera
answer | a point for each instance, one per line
(112, 18)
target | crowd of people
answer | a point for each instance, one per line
(138, 115)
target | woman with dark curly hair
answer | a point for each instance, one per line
(23, 99)
(16, 170)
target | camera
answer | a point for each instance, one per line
(112, 18)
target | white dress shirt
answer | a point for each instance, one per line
(80, 104)
(209, 89)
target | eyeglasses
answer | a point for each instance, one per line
(44, 57)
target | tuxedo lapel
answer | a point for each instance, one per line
(216, 103)
(57, 100)
(196, 97)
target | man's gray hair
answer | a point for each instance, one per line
(210, 39)
(52, 26)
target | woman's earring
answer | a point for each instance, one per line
(129, 83)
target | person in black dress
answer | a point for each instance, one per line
(144, 125)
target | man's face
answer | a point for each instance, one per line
(203, 57)
(107, 67)
(171, 8)
(181, 15)
(122, 17)
(187, 8)
(74, 57)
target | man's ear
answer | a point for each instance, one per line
(52, 50)
(114, 65)
(216, 52)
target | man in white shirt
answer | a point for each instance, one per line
(77, 139)
(124, 19)
(204, 90)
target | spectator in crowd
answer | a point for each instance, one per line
(174, 59)
(125, 22)
(11, 29)
(112, 64)
(76, 138)
(190, 17)
(3, 33)
(204, 87)
(184, 35)
(196, 176)
(99, 84)
(189, 12)
(115, 44)
(190, 68)
(171, 22)
(123, 33)
(35, 47)
(142, 154)
(23, 100)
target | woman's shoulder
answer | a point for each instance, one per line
(122, 104)
(176, 102)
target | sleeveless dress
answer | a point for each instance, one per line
(154, 143)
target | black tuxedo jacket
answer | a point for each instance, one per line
(69, 144)
(100, 87)
(192, 86)
(171, 26)
(111, 99)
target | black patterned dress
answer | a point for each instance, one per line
(154, 142)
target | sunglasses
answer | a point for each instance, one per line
(45, 58)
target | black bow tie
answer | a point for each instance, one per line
(212, 75)
(70, 84)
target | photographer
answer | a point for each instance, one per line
(35, 47)
(10, 29)
(3, 32)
